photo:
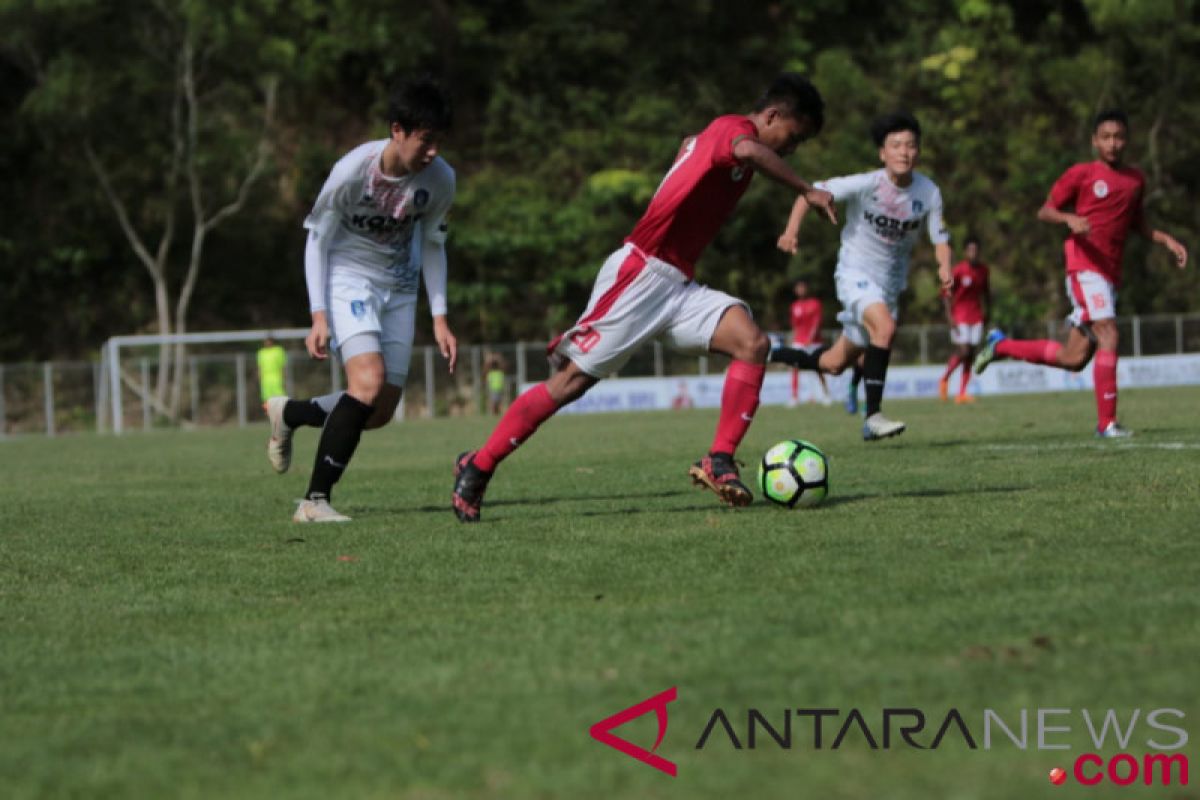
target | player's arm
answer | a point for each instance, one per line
(433, 270)
(789, 240)
(943, 255)
(1062, 194)
(316, 276)
(1164, 239)
(768, 162)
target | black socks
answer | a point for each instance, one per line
(799, 359)
(875, 365)
(338, 442)
(298, 413)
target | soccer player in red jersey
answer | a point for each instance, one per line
(646, 290)
(968, 304)
(806, 335)
(1107, 198)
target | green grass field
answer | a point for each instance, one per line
(166, 631)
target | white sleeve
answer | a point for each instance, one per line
(434, 230)
(847, 186)
(316, 258)
(937, 225)
(321, 223)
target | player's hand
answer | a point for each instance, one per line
(317, 341)
(1078, 224)
(447, 344)
(824, 201)
(788, 243)
(1179, 251)
(946, 277)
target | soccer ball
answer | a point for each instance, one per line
(794, 474)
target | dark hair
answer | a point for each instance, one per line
(420, 104)
(971, 239)
(894, 123)
(1110, 115)
(795, 95)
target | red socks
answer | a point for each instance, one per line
(1104, 376)
(1035, 351)
(966, 375)
(520, 421)
(951, 365)
(739, 401)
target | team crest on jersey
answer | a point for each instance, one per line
(966, 281)
(420, 198)
(358, 308)
(1100, 189)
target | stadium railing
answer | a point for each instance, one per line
(220, 384)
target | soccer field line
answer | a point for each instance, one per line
(1098, 446)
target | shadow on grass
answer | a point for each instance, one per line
(843, 499)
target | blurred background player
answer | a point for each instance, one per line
(1107, 198)
(494, 376)
(968, 305)
(646, 290)
(272, 362)
(377, 227)
(886, 210)
(806, 335)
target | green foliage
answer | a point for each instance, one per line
(568, 115)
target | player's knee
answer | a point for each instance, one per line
(365, 385)
(755, 348)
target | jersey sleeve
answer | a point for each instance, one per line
(1066, 188)
(725, 133)
(336, 195)
(938, 234)
(847, 186)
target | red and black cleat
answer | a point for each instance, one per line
(470, 482)
(719, 472)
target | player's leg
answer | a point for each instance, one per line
(795, 401)
(344, 426)
(286, 415)
(967, 358)
(737, 336)
(880, 323)
(629, 305)
(1104, 379)
(955, 360)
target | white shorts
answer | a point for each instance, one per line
(1092, 298)
(363, 318)
(969, 333)
(858, 292)
(636, 299)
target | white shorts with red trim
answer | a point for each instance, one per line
(636, 299)
(1093, 297)
(968, 333)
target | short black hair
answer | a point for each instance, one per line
(1110, 115)
(793, 93)
(971, 239)
(894, 123)
(420, 104)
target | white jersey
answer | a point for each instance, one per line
(882, 224)
(382, 223)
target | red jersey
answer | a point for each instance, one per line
(696, 196)
(1111, 200)
(969, 285)
(806, 321)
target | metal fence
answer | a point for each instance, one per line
(221, 388)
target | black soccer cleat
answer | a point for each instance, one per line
(719, 472)
(470, 482)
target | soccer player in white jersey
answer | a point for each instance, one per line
(886, 210)
(377, 227)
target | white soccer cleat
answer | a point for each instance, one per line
(877, 426)
(317, 510)
(279, 446)
(1114, 430)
